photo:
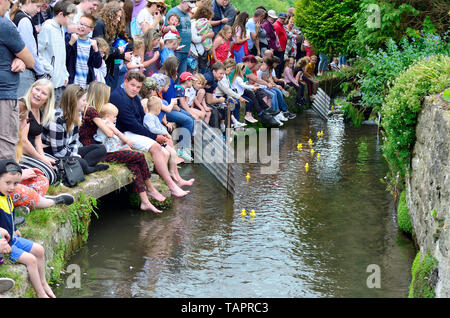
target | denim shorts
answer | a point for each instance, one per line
(19, 245)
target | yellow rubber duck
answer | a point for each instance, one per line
(306, 167)
(318, 134)
(318, 156)
(310, 142)
(321, 133)
(247, 176)
(299, 147)
(243, 213)
(312, 152)
(252, 213)
(332, 107)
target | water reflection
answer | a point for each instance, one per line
(314, 233)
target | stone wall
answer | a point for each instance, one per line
(428, 187)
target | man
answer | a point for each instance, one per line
(15, 57)
(52, 46)
(82, 53)
(130, 121)
(219, 19)
(272, 37)
(229, 12)
(252, 26)
(282, 38)
(86, 7)
(213, 77)
(184, 28)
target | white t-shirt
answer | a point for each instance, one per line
(145, 17)
(190, 93)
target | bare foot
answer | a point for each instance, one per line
(179, 160)
(149, 207)
(182, 183)
(156, 195)
(48, 291)
(178, 192)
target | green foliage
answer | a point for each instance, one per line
(350, 111)
(250, 6)
(80, 214)
(383, 66)
(403, 218)
(380, 20)
(446, 95)
(421, 273)
(327, 24)
(401, 107)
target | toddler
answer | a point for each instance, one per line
(100, 73)
(199, 97)
(24, 251)
(118, 141)
(137, 56)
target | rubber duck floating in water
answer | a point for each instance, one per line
(299, 147)
(310, 142)
(252, 213)
(306, 167)
(247, 176)
(318, 156)
(320, 133)
(312, 152)
(243, 213)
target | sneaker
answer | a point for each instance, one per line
(18, 221)
(222, 127)
(289, 115)
(6, 284)
(269, 121)
(280, 117)
(251, 120)
(21, 210)
(63, 198)
(238, 124)
(285, 93)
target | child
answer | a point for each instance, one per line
(335, 65)
(173, 20)
(82, 53)
(117, 142)
(199, 100)
(221, 45)
(152, 62)
(154, 125)
(171, 41)
(290, 81)
(310, 74)
(137, 57)
(24, 251)
(100, 73)
(186, 81)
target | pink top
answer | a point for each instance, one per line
(289, 76)
(222, 51)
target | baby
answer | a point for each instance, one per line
(117, 142)
(137, 57)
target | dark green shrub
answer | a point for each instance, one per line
(403, 217)
(421, 277)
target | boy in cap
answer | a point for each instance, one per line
(24, 251)
(171, 41)
(186, 82)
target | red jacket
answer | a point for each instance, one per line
(281, 33)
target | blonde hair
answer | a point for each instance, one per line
(230, 62)
(97, 96)
(109, 109)
(103, 46)
(224, 30)
(48, 112)
(69, 105)
(154, 103)
(239, 71)
(138, 43)
(200, 79)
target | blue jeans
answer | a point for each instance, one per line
(342, 60)
(237, 108)
(183, 119)
(323, 63)
(182, 62)
(278, 102)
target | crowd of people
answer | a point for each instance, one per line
(106, 81)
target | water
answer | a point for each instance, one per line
(314, 234)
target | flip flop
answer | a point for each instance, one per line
(6, 284)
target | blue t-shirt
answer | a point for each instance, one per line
(167, 96)
(250, 26)
(184, 28)
(10, 44)
(165, 54)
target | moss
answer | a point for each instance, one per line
(58, 262)
(422, 285)
(403, 218)
(8, 270)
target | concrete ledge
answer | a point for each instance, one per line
(53, 228)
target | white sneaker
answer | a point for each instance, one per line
(222, 127)
(238, 124)
(280, 117)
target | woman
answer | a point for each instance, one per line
(202, 36)
(291, 46)
(31, 190)
(262, 36)
(61, 135)
(21, 14)
(239, 49)
(111, 27)
(39, 104)
(98, 95)
(150, 17)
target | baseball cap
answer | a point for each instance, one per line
(14, 168)
(170, 36)
(159, 79)
(186, 76)
(190, 3)
(282, 15)
(272, 14)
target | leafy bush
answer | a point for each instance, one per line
(382, 67)
(401, 107)
(403, 218)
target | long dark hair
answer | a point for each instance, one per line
(240, 21)
(170, 67)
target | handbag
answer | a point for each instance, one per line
(70, 171)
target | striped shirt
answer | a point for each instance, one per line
(81, 65)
